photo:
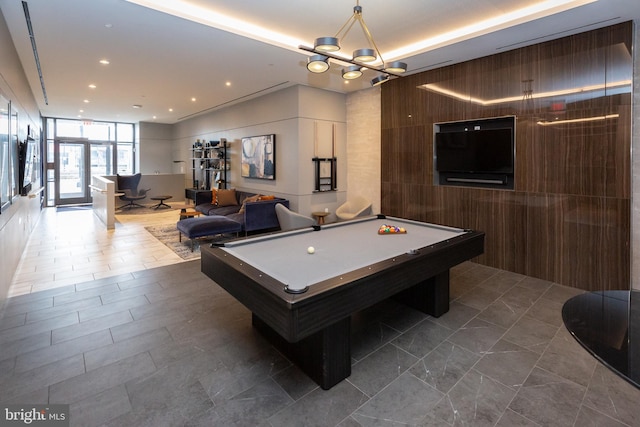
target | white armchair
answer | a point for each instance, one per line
(290, 220)
(358, 206)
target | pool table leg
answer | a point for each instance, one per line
(430, 296)
(324, 356)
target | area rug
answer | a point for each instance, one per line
(169, 236)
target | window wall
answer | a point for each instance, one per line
(111, 147)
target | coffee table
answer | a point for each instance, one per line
(184, 213)
(188, 214)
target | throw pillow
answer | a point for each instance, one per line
(227, 197)
(269, 197)
(249, 199)
(214, 196)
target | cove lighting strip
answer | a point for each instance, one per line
(571, 91)
(583, 119)
(497, 23)
(206, 16)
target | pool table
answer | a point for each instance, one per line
(303, 302)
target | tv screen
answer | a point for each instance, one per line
(26, 153)
(28, 169)
(475, 151)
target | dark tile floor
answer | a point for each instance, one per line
(168, 347)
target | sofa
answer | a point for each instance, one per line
(230, 211)
(254, 212)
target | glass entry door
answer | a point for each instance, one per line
(72, 165)
(76, 160)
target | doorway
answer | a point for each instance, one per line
(76, 161)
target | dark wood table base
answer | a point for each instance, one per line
(325, 356)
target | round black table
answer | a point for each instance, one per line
(607, 324)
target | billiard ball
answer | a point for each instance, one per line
(311, 249)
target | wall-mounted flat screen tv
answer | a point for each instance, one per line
(475, 151)
(27, 159)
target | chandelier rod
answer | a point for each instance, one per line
(367, 34)
(340, 34)
(348, 61)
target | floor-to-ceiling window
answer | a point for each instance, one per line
(78, 149)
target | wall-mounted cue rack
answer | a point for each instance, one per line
(325, 174)
(325, 170)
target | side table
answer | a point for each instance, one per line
(320, 216)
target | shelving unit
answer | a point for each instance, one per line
(210, 164)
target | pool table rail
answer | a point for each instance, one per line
(296, 316)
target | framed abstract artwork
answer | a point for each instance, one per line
(259, 157)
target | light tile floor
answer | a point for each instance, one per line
(166, 346)
(74, 246)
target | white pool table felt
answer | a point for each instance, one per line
(339, 248)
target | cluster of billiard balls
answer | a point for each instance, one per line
(391, 229)
(384, 229)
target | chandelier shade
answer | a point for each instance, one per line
(395, 67)
(352, 72)
(327, 44)
(364, 55)
(318, 64)
(324, 48)
(377, 81)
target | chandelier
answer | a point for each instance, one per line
(325, 46)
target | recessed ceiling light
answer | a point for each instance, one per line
(108, 25)
(80, 111)
(171, 110)
(104, 61)
(92, 86)
(228, 83)
(137, 106)
(193, 99)
(86, 101)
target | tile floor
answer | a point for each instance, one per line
(166, 346)
(74, 246)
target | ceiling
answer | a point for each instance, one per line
(176, 67)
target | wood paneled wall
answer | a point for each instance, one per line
(568, 218)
